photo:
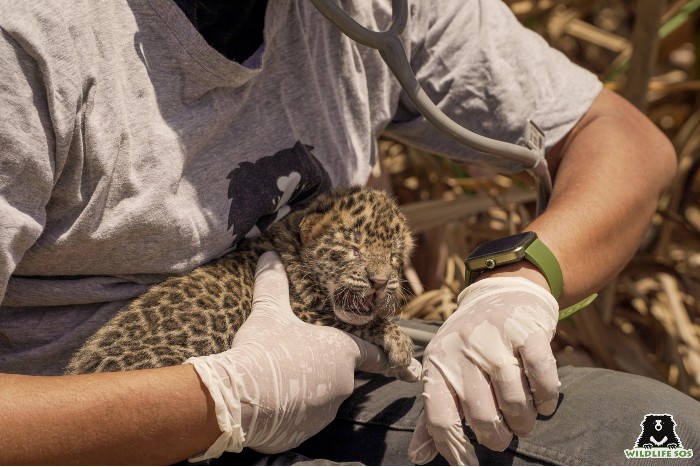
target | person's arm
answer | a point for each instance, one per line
(156, 416)
(493, 353)
(609, 173)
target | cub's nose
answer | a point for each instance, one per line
(377, 282)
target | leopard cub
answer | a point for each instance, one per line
(343, 255)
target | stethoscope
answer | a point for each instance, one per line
(389, 45)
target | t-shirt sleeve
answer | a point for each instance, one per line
(26, 154)
(490, 74)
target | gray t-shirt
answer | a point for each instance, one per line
(131, 150)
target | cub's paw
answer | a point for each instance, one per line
(410, 374)
(399, 349)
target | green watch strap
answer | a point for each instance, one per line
(566, 312)
(542, 257)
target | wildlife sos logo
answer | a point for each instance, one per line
(658, 439)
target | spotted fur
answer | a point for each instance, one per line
(343, 256)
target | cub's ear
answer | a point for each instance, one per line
(313, 225)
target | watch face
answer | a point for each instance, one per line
(503, 245)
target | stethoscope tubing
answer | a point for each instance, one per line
(392, 51)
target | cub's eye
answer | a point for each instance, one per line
(395, 258)
(356, 235)
(354, 251)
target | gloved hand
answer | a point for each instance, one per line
(490, 364)
(283, 380)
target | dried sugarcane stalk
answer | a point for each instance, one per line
(645, 40)
(684, 326)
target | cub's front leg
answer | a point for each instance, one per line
(389, 336)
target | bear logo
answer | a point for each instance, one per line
(658, 431)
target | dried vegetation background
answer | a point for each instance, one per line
(648, 320)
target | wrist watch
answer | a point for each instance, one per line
(523, 246)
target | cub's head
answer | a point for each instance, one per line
(355, 240)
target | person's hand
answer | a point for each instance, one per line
(283, 380)
(491, 365)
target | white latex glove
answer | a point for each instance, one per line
(490, 364)
(283, 380)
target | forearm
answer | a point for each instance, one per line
(141, 417)
(609, 173)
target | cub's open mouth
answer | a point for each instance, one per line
(354, 308)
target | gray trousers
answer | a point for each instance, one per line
(599, 416)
